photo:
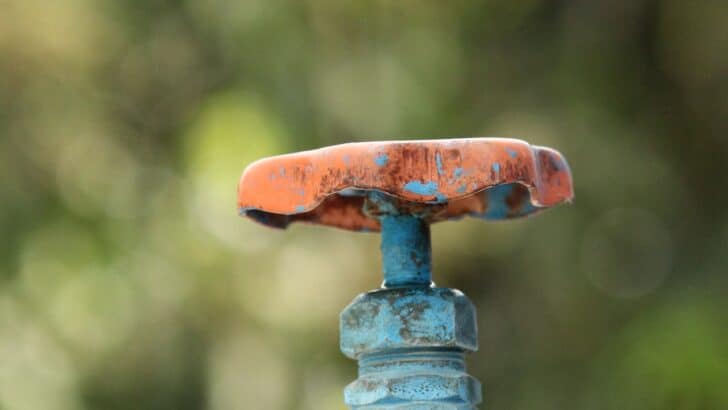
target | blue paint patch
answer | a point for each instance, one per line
(497, 202)
(417, 187)
(300, 208)
(496, 168)
(497, 199)
(381, 160)
(512, 152)
(438, 163)
(461, 189)
(458, 172)
(301, 191)
(440, 197)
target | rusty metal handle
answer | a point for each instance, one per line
(409, 337)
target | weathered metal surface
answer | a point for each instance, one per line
(409, 337)
(410, 343)
(406, 253)
(414, 379)
(490, 178)
(408, 317)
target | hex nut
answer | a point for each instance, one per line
(397, 318)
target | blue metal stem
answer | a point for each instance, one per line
(409, 337)
(406, 251)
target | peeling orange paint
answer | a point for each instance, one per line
(453, 175)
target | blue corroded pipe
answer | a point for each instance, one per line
(410, 343)
(406, 252)
(409, 337)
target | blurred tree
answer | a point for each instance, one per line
(126, 280)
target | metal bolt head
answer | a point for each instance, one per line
(401, 318)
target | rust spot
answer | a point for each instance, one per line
(516, 199)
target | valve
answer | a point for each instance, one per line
(409, 337)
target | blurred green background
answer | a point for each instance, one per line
(127, 280)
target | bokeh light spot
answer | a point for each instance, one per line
(231, 131)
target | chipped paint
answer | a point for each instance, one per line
(438, 164)
(300, 208)
(458, 172)
(422, 188)
(513, 153)
(381, 160)
(496, 168)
